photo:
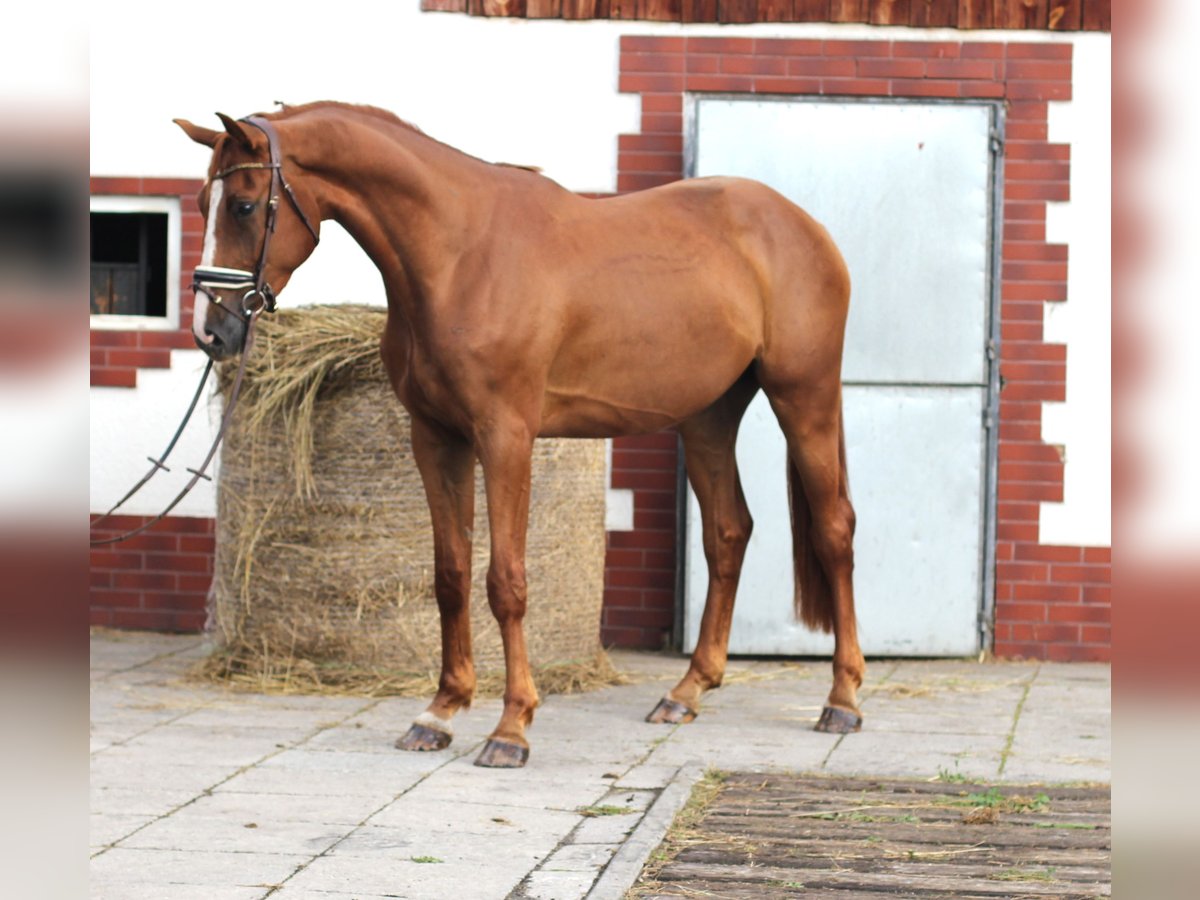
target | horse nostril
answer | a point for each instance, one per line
(213, 339)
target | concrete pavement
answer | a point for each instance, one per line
(198, 792)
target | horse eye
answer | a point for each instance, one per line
(243, 209)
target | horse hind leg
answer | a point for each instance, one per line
(709, 441)
(823, 529)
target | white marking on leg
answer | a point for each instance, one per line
(208, 254)
(434, 721)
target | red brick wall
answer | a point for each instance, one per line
(117, 355)
(639, 569)
(1052, 602)
(158, 580)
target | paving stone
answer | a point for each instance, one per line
(646, 776)
(605, 829)
(579, 858)
(344, 809)
(291, 893)
(632, 799)
(140, 799)
(107, 828)
(449, 814)
(116, 767)
(191, 830)
(119, 867)
(185, 745)
(466, 869)
(916, 754)
(545, 885)
(125, 891)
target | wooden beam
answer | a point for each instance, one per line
(699, 10)
(1029, 14)
(811, 10)
(662, 10)
(933, 13)
(776, 11)
(585, 9)
(1065, 15)
(543, 9)
(737, 11)
(890, 12)
(443, 5)
(503, 8)
(975, 13)
(1097, 15)
(848, 10)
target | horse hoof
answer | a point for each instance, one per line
(420, 737)
(502, 755)
(836, 720)
(671, 712)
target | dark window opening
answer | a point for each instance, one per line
(129, 264)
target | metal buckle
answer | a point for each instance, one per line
(250, 308)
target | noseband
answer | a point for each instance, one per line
(258, 295)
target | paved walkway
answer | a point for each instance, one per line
(202, 793)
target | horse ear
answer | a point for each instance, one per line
(205, 136)
(236, 131)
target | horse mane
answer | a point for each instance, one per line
(286, 111)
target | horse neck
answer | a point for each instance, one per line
(402, 196)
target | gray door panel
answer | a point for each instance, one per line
(905, 190)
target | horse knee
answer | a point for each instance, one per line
(507, 590)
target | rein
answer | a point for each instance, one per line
(258, 297)
(200, 473)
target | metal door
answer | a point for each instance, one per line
(906, 190)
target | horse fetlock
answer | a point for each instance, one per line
(456, 689)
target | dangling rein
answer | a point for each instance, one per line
(197, 474)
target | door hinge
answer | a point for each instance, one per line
(996, 142)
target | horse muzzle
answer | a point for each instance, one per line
(238, 294)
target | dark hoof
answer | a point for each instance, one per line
(502, 755)
(671, 712)
(420, 737)
(836, 720)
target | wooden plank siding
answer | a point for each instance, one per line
(1026, 15)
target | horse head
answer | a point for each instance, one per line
(251, 245)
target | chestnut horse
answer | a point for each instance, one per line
(518, 310)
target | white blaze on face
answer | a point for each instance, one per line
(208, 254)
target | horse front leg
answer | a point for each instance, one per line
(447, 467)
(506, 453)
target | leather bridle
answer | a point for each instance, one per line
(258, 298)
(257, 295)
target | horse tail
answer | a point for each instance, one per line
(814, 595)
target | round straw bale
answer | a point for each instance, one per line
(324, 552)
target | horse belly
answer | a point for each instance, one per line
(643, 382)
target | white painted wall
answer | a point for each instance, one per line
(535, 92)
(1083, 424)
